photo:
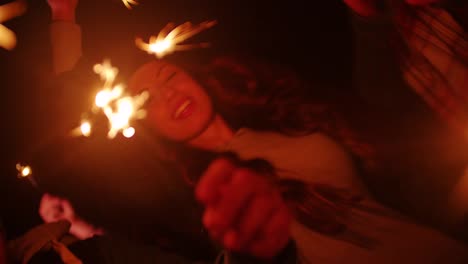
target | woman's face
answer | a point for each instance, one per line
(178, 107)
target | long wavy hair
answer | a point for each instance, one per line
(249, 93)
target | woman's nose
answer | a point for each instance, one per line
(167, 93)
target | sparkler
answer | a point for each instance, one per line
(129, 3)
(25, 172)
(7, 12)
(170, 37)
(119, 109)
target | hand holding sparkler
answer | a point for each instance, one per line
(7, 12)
(170, 37)
(243, 210)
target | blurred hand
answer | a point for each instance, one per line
(63, 9)
(53, 209)
(243, 210)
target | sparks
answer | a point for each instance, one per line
(119, 109)
(85, 128)
(170, 37)
(7, 12)
(129, 3)
(23, 170)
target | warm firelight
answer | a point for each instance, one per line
(170, 37)
(129, 3)
(120, 109)
(7, 12)
(23, 170)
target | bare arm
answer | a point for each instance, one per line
(65, 35)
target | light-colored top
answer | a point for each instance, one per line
(315, 154)
(66, 44)
(384, 236)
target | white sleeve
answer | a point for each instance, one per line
(65, 39)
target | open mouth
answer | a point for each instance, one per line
(184, 109)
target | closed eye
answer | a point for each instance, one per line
(170, 77)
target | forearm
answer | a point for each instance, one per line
(65, 37)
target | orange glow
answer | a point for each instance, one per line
(23, 171)
(7, 12)
(119, 109)
(129, 3)
(85, 129)
(170, 37)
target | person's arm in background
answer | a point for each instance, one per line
(72, 87)
(65, 35)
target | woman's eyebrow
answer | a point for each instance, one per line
(172, 75)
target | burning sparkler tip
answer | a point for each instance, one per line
(170, 38)
(23, 170)
(128, 3)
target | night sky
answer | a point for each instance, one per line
(312, 37)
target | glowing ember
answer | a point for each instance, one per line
(23, 171)
(85, 129)
(129, 132)
(7, 12)
(107, 72)
(120, 110)
(170, 37)
(129, 3)
(104, 97)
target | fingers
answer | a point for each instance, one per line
(218, 173)
(244, 211)
(275, 236)
(255, 218)
(49, 208)
(235, 196)
(67, 208)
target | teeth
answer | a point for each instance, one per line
(182, 108)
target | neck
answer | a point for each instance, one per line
(216, 134)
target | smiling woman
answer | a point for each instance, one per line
(178, 106)
(294, 156)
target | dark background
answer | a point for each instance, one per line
(313, 37)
